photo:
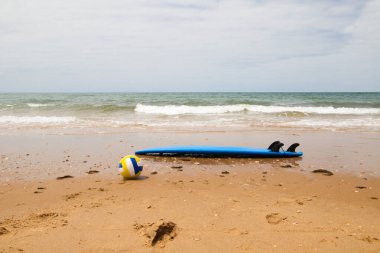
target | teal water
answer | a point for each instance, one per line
(356, 111)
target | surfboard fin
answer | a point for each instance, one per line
(276, 147)
(292, 148)
(273, 144)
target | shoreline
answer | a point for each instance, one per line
(120, 129)
(28, 156)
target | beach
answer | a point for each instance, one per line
(189, 126)
(208, 205)
(60, 188)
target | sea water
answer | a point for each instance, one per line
(331, 111)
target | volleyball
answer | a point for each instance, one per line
(130, 166)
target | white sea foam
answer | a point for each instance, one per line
(359, 124)
(220, 109)
(218, 122)
(33, 105)
(36, 120)
(373, 124)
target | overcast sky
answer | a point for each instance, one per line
(192, 45)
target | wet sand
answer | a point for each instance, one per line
(201, 205)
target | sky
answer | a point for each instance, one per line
(192, 45)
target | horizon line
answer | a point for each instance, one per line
(99, 92)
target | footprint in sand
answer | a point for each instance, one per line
(158, 233)
(275, 218)
(3, 231)
(50, 219)
(43, 216)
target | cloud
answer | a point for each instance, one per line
(188, 45)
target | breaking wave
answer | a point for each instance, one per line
(34, 105)
(36, 120)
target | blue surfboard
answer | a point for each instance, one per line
(220, 151)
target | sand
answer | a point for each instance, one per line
(189, 204)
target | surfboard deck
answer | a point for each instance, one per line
(217, 151)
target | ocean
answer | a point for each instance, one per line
(330, 111)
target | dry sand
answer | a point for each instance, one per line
(201, 205)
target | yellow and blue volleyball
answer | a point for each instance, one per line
(130, 166)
